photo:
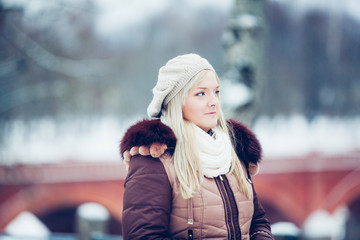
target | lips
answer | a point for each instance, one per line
(211, 113)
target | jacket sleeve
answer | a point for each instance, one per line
(260, 225)
(147, 200)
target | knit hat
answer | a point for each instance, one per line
(173, 77)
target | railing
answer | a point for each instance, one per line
(315, 162)
(102, 171)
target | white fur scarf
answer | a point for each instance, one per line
(214, 152)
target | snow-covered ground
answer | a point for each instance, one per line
(46, 140)
(74, 139)
(285, 229)
(27, 224)
(323, 225)
(295, 136)
(93, 212)
(319, 225)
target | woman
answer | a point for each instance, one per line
(200, 187)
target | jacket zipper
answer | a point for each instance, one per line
(190, 219)
(229, 214)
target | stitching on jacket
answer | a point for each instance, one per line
(259, 232)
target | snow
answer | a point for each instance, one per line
(82, 139)
(285, 229)
(321, 224)
(93, 211)
(295, 136)
(235, 94)
(248, 21)
(49, 141)
(27, 224)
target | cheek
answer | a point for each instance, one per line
(187, 112)
(190, 110)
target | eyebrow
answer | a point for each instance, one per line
(205, 87)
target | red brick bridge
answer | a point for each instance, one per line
(289, 188)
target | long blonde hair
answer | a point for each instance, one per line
(185, 158)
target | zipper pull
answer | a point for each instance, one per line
(190, 211)
(190, 235)
(221, 178)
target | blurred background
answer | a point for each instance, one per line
(74, 75)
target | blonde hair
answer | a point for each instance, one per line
(185, 158)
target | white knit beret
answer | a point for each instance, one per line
(173, 77)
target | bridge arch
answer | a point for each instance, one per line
(344, 192)
(42, 198)
(289, 206)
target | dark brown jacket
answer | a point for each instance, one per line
(153, 207)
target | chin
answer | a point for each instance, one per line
(212, 126)
(208, 125)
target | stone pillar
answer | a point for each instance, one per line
(243, 42)
(92, 220)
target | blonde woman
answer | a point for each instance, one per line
(191, 179)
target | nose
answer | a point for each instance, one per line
(214, 101)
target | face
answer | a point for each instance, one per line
(202, 104)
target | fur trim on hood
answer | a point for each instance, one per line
(247, 146)
(148, 132)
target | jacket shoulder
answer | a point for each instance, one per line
(147, 195)
(146, 132)
(245, 142)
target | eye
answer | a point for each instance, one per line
(200, 94)
(217, 92)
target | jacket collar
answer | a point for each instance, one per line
(146, 132)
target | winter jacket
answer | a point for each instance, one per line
(154, 209)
